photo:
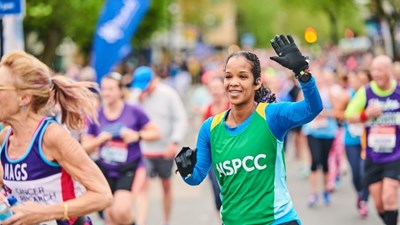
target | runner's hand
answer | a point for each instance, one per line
(104, 136)
(129, 136)
(185, 161)
(289, 55)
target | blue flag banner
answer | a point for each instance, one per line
(112, 40)
(8, 7)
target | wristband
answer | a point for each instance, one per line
(66, 217)
(363, 116)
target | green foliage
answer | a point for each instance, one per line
(194, 11)
(258, 18)
(54, 20)
(73, 18)
(81, 28)
(340, 14)
(156, 18)
(265, 19)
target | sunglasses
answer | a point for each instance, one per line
(7, 88)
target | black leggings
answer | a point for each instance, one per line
(319, 149)
(293, 222)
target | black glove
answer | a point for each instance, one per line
(185, 161)
(290, 56)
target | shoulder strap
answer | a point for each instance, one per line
(5, 141)
(217, 119)
(261, 109)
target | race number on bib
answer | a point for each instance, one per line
(114, 151)
(382, 139)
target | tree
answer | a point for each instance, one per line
(388, 11)
(336, 12)
(264, 19)
(194, 11)
(256, 18)
(54, 20)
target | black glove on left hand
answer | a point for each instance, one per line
(289, 55)
(186, 160)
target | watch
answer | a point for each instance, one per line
(304, 75)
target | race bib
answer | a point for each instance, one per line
(382, 139)
(356, 130)
(114, 152)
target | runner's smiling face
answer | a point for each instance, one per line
(239, 81)
(111, 91)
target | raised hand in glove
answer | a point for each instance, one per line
(185, 161)
(290, 56)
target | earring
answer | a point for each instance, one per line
(23, 108)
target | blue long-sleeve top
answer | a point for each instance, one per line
(280, 117)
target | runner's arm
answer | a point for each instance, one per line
(60, 147)
(356, 106)
(203, 164)
(283, 116)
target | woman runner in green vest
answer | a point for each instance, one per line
(244, 144)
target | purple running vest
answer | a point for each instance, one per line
(32, 177)
(383, 133)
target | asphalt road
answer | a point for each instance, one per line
(194, 205)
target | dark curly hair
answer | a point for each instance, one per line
(263, 94)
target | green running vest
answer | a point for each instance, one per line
(245, 166)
